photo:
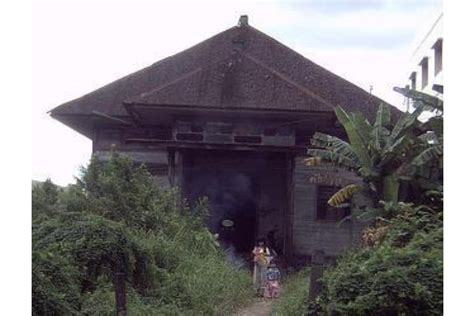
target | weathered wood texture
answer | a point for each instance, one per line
(308, 233)
(286, 199)
(317, 268)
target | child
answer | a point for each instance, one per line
(261, 254)
(273, 281)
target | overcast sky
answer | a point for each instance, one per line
(81, 46)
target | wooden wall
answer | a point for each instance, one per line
(310, 234)
(156, 158)
(294, 200)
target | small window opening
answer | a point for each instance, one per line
(424, 72)
(413, 80)
(325, 212)
(438, 56)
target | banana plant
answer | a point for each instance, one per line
(381, 153)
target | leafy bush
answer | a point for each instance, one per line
(403, 274)
(56, 289)
(295, 299)
(92, 243)
(44, 196)
(116, 219)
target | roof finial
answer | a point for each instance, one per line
(243, 20)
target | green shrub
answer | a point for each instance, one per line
(115, 219)
(55, 289)
(294, 300)
(44, 197)
(403, 274)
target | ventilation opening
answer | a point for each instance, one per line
(248, 139)
(269, 131)
(196, 129)
(219, 128)
(161, 133)
(190, 137)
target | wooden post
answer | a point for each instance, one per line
(317, 268)
(171, 167)
(288, 215)
(120, 294)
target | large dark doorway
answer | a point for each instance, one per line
(247, 194)
(233, 197)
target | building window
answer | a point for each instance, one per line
(413, 80)
(424, 72)
(438, 56)
(325, 212)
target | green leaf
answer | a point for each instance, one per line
(359, 145)
(335, 158)
(427, 155)
(405, 122)
(333, 143)
(382, 120)
(434, 124)
(362, 124)
(421, 99)
(343, 194)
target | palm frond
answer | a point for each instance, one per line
(333, 143)
(434, 152)
(326, 140)
(382, 119)
(421, 99)
(405, 122)
(329, 179)
(343, 194)
(331, 156)
(383, 115)
(428, 155)
(397, 147)
(312, 161)
(358, 143)
(429, 138)
(362, 124)
(434, 124)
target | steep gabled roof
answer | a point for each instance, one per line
(238, 68)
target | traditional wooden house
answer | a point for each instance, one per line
(231, 118)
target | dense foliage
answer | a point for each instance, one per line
(116, 219)
(399, 268)
(401, 274)
(295, 299)
(397, 160)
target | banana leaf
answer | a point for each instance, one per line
(343, 194)
(358, 144)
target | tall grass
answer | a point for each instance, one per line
(294, 299)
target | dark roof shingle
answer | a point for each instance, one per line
(238, 68)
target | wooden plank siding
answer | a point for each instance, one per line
(157, 159)
(309, 234)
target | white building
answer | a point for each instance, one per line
(426, 62)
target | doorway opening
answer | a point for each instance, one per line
(247, 193)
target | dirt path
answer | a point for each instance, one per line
(260, 307)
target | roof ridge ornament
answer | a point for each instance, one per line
(243, 20)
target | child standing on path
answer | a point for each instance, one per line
(273, 275)
(261, 260)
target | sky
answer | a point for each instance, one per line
(79, 46)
